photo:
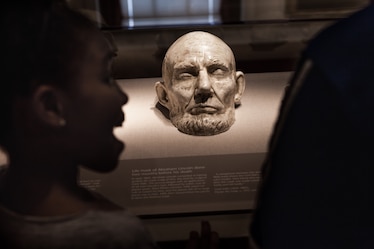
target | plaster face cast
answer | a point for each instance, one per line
(200, 86)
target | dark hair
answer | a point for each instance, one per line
(40, 40)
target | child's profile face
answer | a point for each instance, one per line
(94, 108)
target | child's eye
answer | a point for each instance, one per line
(109, 80)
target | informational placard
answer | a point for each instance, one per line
(164, 171)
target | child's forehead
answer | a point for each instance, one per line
(97, 42)
(110, 41)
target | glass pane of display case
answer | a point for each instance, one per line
(158, 13)
(321, 8)
(265, 36)
(162, 168)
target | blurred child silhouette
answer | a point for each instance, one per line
(59, 106)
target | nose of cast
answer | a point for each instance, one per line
(203, 87)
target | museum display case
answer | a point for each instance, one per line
(173, 180)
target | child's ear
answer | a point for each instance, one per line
(47, 103)
(162, 94)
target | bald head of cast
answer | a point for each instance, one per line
(200, 85)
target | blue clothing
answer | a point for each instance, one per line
(318, 180)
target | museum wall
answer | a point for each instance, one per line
(173, 180)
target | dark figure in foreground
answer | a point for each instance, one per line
(318, 187)
(59, 106)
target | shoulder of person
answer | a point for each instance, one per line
(342, 34)
(90, 229)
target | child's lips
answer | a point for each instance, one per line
(120, 120)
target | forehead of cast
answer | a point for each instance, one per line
(198, 44)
